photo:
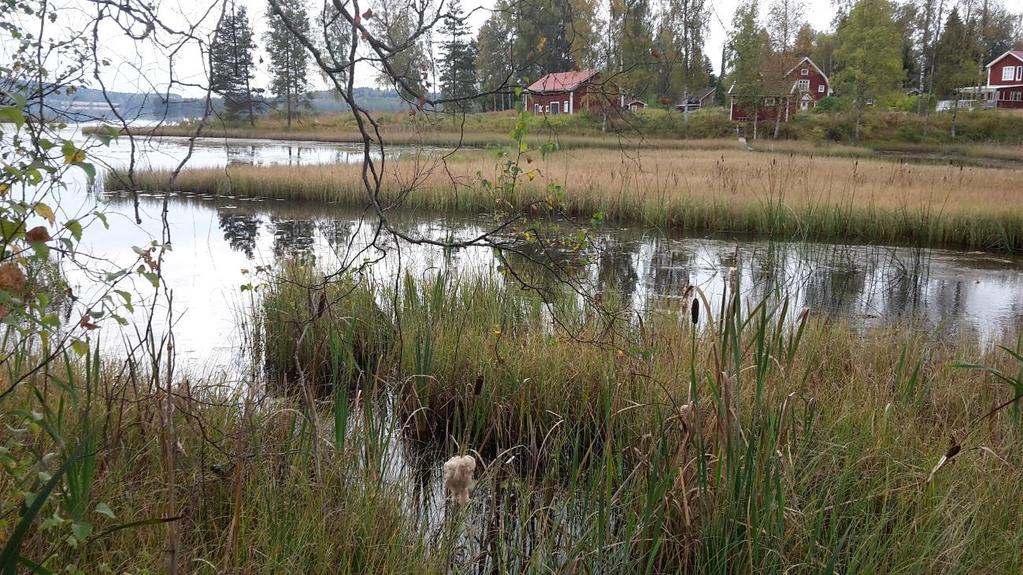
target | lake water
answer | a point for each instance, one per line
(218, 241)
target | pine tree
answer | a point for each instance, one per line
(232, 65)
(869, 54)
(289, 61)
(458, 68)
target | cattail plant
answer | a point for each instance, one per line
(458, 477)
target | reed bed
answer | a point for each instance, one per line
(755, 440)
(751, 441)
(728, 192)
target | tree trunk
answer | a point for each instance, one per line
(955, 116)
(287, 94)
(777, 120)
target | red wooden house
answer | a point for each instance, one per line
(1005, 79)
(566, 93)
(800, 88)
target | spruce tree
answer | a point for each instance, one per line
(289, 62)
(954, 66)
(458, 68)
(232, 64)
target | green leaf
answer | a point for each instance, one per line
(41, 249)
(80, 347)
(34, 567)
(81, 530)
(90, 171)
(127, 299)
(72, 154)
(11, 230)
(75, 227)
(104, 509)
(12, 115)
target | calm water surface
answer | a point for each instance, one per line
(218, 241)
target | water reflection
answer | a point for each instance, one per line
(214, 239)
(867, 285)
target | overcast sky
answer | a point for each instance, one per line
(134, 68)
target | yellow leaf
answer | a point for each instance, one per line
(4, 188)
(44, 211)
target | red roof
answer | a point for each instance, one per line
(1018, 54)
(561, 81)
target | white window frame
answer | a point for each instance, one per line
(820, 89)
(537, 109)
(803, 85)
(555, 108)
(1019, 73)
(1016, 96)
(804, 72)
(769, 101)
(1008, 73)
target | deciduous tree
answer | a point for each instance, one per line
(869, 54)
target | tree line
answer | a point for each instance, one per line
(873, 51)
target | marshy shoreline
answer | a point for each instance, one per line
(779, 196)
(710, 437)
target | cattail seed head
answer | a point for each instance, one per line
(458, 472)
(696, 311)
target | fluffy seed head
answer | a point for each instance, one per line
(458, 472)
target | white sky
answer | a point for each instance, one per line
(132, 70)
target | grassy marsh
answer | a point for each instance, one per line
(774, 195)
(757, 442)
(762, 440)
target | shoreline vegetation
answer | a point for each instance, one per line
(985, 138)
(782, 196)
(752, 439)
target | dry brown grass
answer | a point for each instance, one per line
(792, 195)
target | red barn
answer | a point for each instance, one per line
(566, 93)
(798, 89)
(1005, 79)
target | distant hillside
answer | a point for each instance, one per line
(89, 104)
(373, 99)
